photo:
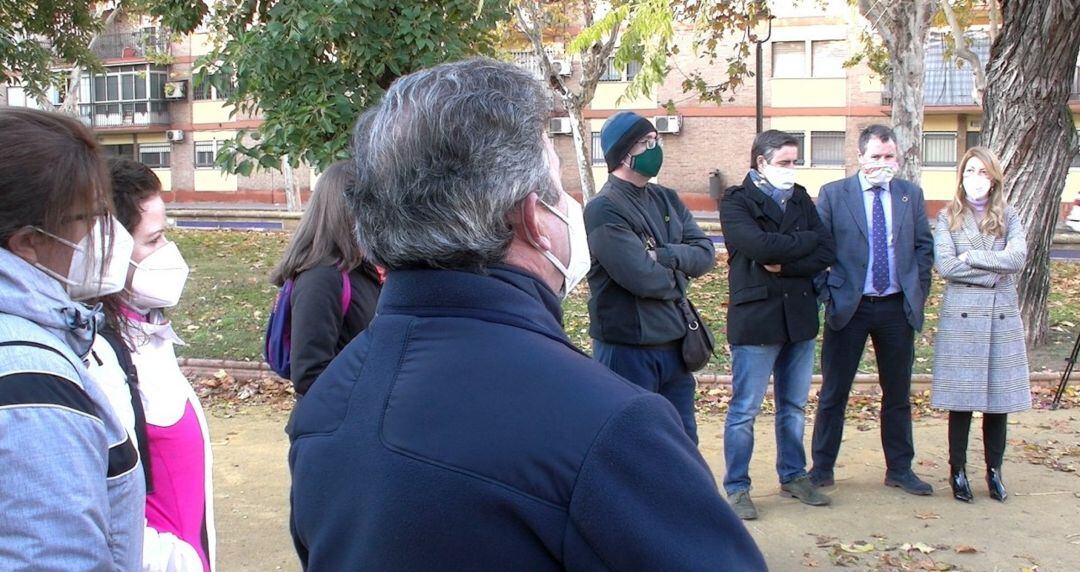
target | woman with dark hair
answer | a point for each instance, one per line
(980, 358)
(322, 259)
(148, 390)
(71, 492)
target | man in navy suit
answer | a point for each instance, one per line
(876, 288)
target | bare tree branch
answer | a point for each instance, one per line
(963, 51)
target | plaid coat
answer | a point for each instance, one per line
(980, 358)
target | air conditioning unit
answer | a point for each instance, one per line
(559, 125)
(667, 123)
(563, 67)
(175, 135)
(175, 89)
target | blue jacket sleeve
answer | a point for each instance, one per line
(646, 500)
(54, 498)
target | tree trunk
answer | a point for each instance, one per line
(582, 152)
(1028, 124)
(292, 193)
(70, 106)
(903, 27)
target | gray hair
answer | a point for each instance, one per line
(767, 143)
(442, 161)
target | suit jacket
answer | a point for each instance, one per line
(765, 307)
(843, 212)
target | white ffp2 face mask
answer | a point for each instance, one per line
(780, 177)
(90, 275)
(976, 187)
(580, 259)
(159, 279)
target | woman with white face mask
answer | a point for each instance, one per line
(71, 491)
(980, 359)
(136, 362)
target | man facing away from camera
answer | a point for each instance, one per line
(462, 430)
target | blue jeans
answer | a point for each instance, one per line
(791, 364)
(657, 369)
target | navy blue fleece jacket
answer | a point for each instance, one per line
(463, 431)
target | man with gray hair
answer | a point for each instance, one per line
(776, 245)
(462, 429)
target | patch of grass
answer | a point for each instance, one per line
(224, 309)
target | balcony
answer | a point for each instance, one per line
(124, 114)
(144, 44)
(1074, 93)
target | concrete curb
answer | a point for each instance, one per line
(246, 370)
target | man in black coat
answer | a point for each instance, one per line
(776, 244)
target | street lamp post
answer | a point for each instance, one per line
(758, 40)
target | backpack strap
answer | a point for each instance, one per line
(131, 376)
(346, 293)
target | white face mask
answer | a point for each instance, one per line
(976, 187)
(85, 278)
(884, 173)
(780, 177)
(158, 280)
(580, 260)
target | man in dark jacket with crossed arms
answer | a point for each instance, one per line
(776, 244)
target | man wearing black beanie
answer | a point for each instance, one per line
(645, 248)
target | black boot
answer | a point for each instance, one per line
(997, 486)
(961, 487)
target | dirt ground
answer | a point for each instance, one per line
(868, 526)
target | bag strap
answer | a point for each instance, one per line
(131, 376)
(346, 293)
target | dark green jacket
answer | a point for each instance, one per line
(633, 295)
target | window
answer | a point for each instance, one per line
(632, 69)
(611, 73)
(155, 155)
(801, 138)
(828, 58)
(18, 97)
(939, 149)
(974, 139)
(204, 91)
(597, 151)
(124, 151)
(1076, 158)
(206, 153)
(789, 59)
(826, 148)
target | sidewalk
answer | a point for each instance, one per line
(866, 527)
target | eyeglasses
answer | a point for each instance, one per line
(649, 143)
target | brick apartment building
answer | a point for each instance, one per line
(145, 106)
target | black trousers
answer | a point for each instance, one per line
(993, 427)
(882, 320)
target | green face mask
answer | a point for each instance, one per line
(649, 162)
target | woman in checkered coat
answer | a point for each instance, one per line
(980, 358)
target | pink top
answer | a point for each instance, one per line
(178, 503)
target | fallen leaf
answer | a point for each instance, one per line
(857, 547)
(965, 549)
(927, 515)
(921, 547)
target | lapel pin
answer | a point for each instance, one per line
(904, 198)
